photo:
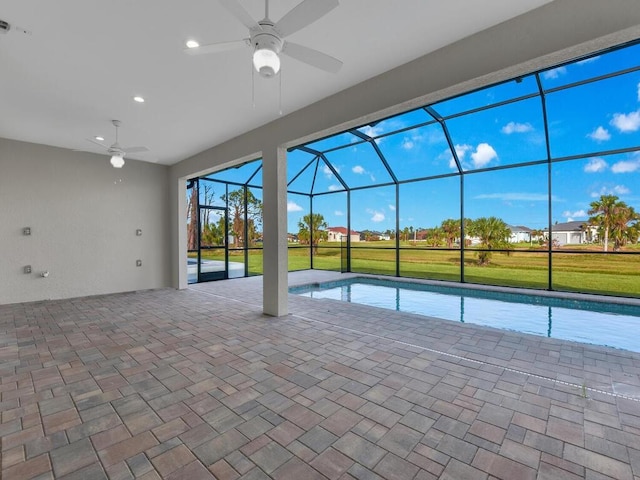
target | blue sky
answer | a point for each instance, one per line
(583, 120)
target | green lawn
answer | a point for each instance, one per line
(582, 272)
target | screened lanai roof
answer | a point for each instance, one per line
(588, 107)
(249, 173)
(553, 114)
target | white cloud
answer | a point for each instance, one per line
(360, 170)
(571, 216)
(595, 165)
(483, 155)
(514, 196)
(392, 208)
(294, 207)
(407, 144)
(515, 127)
(327, 171)
(639, 91)
(461, 150)
(625, 166)
(338, 213)
(600, 134)
(554, 73)
(334, 187)
(615, 190)
(480, 157)
(377, 217)
(588, 60)
(626, 122)
(371, 131)
(416, 137)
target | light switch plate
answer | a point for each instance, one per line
(138, 263)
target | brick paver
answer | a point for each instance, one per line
(199, 384)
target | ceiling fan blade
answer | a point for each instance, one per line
(97, 143)
(312, 57)
(304, 14)
(215, 47)
(238, 11)
(135, 149)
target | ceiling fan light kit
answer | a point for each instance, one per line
(268, 45)
(267, 37)
(117, 160)
(266, 62)
(117, 152)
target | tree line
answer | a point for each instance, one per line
(244, 216)
(615, 221)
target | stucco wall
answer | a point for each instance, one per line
(83, 216)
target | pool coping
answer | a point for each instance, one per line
(586, 297)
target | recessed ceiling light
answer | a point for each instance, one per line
(138, 99)
(192, 44)
(99, 138)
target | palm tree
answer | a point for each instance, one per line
(535, 233)
(405, 233)
(435, 236)
(451, 230)
(622, 231)
(586, 229)
(602, 214)
(493, 234)
(313, 228)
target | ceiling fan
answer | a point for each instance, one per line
(267, 37)
(115, 150)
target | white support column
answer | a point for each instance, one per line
(180, 265)
(275, 261)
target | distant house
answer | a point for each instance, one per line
(421, 234)
(373, 235)
(575, 233)
(519, 234)
(292, 238)
(338, 234)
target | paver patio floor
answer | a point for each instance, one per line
(198, 384)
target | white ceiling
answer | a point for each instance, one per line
(85, 59)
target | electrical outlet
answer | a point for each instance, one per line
(27, 269)
(138, 263)
(26, 231)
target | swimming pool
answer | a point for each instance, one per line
(599, 323)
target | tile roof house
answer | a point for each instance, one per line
(338, 234)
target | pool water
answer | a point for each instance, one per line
(598, 323)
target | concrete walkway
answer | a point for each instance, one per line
(199, 384)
